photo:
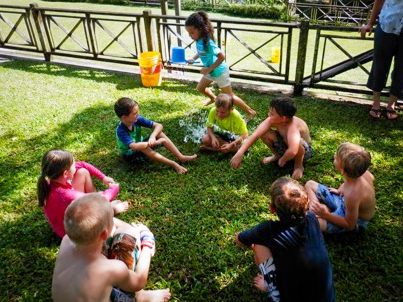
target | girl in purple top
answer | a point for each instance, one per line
(63, 180)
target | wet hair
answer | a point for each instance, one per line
(355, 160)
(201, 21)
(54, 163)
(224, 100)
(124, 106)
(87, 217)
(284, 106)
(290, 200)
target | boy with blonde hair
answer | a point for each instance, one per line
(92, 266)
(284, 133)
(232, 128)
(353, 204)
(290, 253)
(132, 145)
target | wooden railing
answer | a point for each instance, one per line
(121, 37)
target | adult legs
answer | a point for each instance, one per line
(384, 50)
(396, 88)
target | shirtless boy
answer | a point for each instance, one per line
(82, 271)
(353, 204)
(285, 134)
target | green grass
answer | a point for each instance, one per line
(193, 216)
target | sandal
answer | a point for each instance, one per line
(391, 114)
(375, 113)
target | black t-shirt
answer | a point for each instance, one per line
(302, 264)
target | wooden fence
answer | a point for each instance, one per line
(121, 37)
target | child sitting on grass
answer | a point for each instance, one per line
(132, 145)
(103, 258)
(285, 134)
(353, 204)
(290, 253)
(62, 180)
(228, 119)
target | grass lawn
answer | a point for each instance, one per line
(195, 216)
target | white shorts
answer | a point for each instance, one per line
(222, 80)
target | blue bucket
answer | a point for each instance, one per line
(178, 55)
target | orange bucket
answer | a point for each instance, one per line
(150, 68)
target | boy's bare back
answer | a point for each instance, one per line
(360, 194)
(81, 277)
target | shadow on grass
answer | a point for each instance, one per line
(122, 81)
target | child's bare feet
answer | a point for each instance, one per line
(186, 158)
(159, 295)
(208, 102)
(269, 159)
(260, 284)
(119, 206)
(297, 173)
(181, 170)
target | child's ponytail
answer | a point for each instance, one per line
(208, 29)
(201, 21)
(54, 163)
(43, 190)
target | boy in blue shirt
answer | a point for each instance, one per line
(290, 253)
(232, 128)
(132, 145)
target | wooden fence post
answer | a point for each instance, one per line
(91, 36)
(37, 16)
(178, 10)
(147, 25)
(303, 43)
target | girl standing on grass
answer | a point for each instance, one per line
(63, 180)
(215, 69)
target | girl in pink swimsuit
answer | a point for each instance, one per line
(62, 180)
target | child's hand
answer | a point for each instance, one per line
(158, 142)
(334, 191)
(205, 71)
(151, 141)
(318, 208)
(215, 143)
(109, 181)
(236, 161)
(226, 147)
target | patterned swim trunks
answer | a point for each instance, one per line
(280, 147)
(122, 247)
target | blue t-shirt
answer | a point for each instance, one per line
(210, 56)
(125, 137)
(302, 264)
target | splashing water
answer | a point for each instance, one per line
(195, 125)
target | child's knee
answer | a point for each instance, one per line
(206, 139)
(82, 173)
